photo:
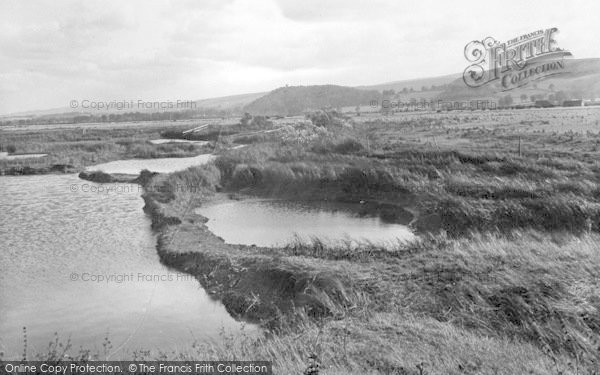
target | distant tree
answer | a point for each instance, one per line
(551, 87)
(424, 88)
(246, 119)
(404, 90)
(320, 118)
(523, 97)
(260, 122)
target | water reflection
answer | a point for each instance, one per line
(83, 264)
(276, 223)
(161, 165)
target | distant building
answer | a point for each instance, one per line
(573, 103)
(592, 102)
(525, 105)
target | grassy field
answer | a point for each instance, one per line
(502, 280)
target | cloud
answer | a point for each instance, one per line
(53, 52)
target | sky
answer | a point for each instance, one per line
(55, 51)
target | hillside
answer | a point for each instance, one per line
(295, 100)
(229, 102)
(224, 103)
(416, 84)
(581, 81)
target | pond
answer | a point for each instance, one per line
(160, 165)
(166, 140)
(277, 223)
(21, 156)
(84, 264)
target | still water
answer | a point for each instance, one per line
(84, 264)
(22, 156)
(169, 140)
(277, 223)
(162, 165)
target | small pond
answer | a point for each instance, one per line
(160, 165)
(277, 223)
(21, 156)
(165, 140)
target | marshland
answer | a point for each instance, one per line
(499, 275)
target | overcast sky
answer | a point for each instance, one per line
(54, 51)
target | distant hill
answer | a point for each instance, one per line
(229, 102)
(580, 81)
(232, 103)
(416, 84)
(295, 100)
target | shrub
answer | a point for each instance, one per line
(325, 118)
(244, 176)
(226, 165)
(194, 181)
(348, 146)
(260, 122)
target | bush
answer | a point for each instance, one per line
(348, 146)
(325, 118)
(194, 181)
(244, 176)
(226, 165)
(260, 122)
